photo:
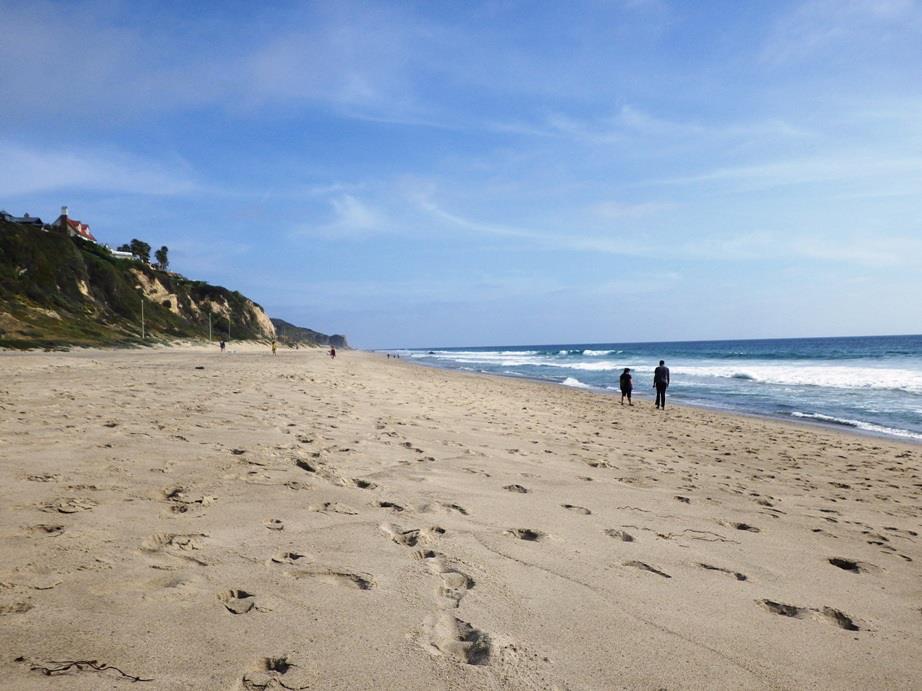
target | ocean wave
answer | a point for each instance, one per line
(829, 376)
(489, 354)
(857, 424)
(575, 383)
(601, 353)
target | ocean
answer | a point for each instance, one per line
(871, 384)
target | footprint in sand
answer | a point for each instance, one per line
(447, 635)
(577, 509)
(68, 505)
(619, 535)
(828, 614)
(454, 583)
(341, 578)
(15, 607)
(643, 566)
(740, 526)
(412, 537)
(333, 507)
(177, 545)
(851, 565)
(237, 601)
(276, 673)
(516, 488)
(396, 508)
(44, 477)
(527, 534)
(738, 576)
(287, 557)
(275, 524)
(46, 529)
(305, 465)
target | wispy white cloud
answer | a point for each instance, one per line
(833, 167)
(818, 26)
(619, 210)
(349, 218)
(27, 170)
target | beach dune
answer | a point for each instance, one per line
(246, 521)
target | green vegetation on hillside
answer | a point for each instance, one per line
(57, 291)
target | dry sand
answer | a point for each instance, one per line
(248, 522)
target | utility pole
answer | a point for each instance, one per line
(140, 290)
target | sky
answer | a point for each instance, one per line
(416, 174)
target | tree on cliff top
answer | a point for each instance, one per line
(138, 248)
(163, 260)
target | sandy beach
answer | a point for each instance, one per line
(244, 521)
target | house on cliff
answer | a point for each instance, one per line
(24, 220)
(72, 226)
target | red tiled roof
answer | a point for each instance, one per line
(81, 229)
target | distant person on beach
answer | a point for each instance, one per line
(661, 383)
(332, 352)
(627, 385)
(222, 345)
(273, 347)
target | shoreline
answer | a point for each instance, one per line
(907, 437)
(448, 531)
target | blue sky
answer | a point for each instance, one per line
(447, 173)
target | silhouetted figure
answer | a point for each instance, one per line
(222, 345)
(661, 383)
(626, 382)
(332, 352)
(273, 347)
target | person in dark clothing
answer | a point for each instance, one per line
(627, 385)
(661, 383)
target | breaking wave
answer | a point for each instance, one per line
(857, 424)
(829, 376)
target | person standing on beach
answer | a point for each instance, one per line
(627, 385)
(273, 347)
(661, 383)
(332, 353)
(222, 346)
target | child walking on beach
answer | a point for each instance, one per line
(627, 385)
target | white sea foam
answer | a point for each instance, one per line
(601, 353)
(575, 383)
(508, 358)
(831, 376)
(858, 424)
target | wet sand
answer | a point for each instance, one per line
(247, 521)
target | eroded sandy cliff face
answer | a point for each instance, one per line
(194, 302)
(55, 290)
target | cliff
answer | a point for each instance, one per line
(56, 290)
(291, 334)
